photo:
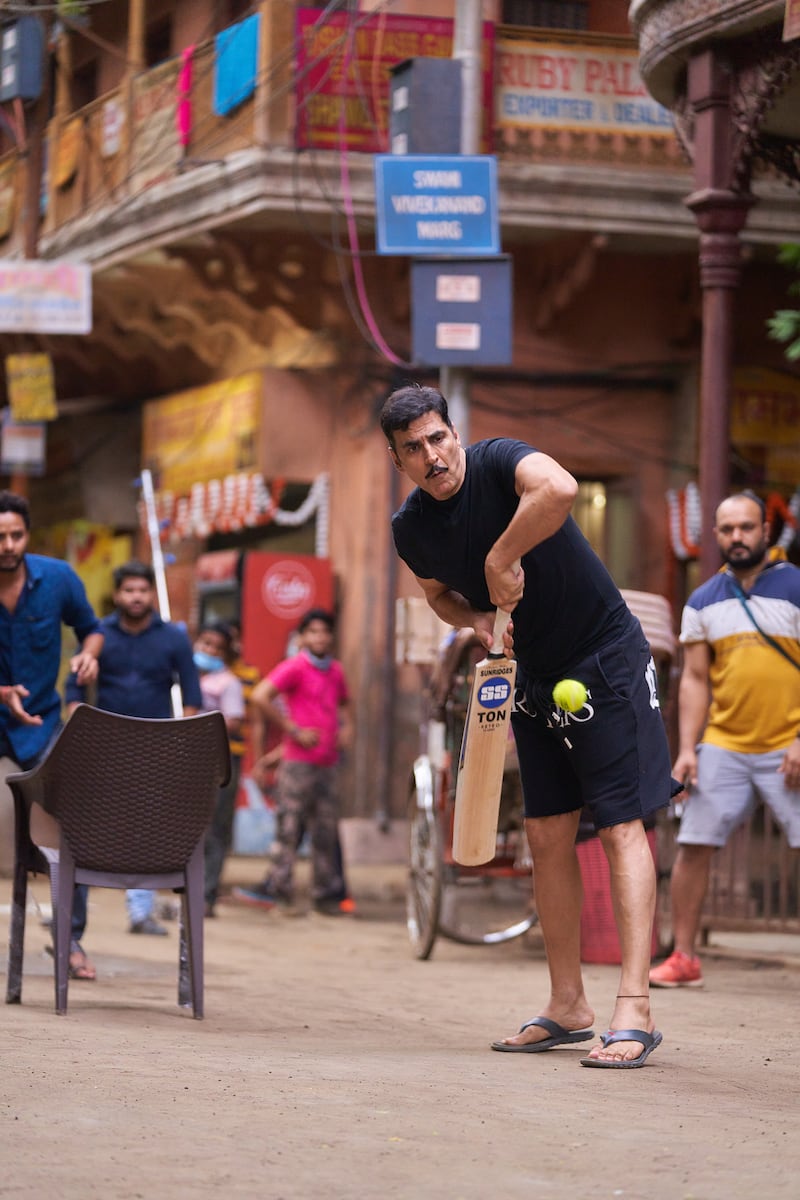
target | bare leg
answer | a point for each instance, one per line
(633, 894)
(687, 891)
(559, 897)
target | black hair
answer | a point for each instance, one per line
(316, 614)
(219, 627)
(11, 502)
(408, 404)
(134, 569)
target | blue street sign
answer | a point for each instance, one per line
(436, 204)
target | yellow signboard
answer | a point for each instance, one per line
(8, 196)
(765, 418)
(203, 434)
(68, 148)
(766, 407)
(31, 388)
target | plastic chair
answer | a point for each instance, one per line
(132, 798)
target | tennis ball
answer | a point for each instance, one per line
(570, 694)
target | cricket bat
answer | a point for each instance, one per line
(483, 753)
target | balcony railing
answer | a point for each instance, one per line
(161, 124)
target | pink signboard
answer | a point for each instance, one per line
(343, 71)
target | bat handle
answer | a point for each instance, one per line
(501, 619)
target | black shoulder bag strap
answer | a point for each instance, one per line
(737, 587)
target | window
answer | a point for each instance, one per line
(607, 519)
(158, 43)
(84, 85)
(589, 511)
(547, 14)
(232, 12)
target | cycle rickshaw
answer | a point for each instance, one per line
(493, 902)
(475, 905)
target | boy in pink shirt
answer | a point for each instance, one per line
(308, 698)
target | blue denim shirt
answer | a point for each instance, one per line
(137, 670)
(30, 647)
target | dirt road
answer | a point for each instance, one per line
(333, 1064)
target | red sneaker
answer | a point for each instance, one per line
(679, 970)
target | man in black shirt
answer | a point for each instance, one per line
(474, 515)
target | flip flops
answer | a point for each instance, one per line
(649, 1042)
(559, 1036)
(79, 966)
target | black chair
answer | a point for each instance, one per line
(132, 798)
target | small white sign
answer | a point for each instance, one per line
(400, 99)
(23, 447)
(452, 335)
(111, 128)
(458, 289)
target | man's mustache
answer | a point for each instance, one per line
(435, 471)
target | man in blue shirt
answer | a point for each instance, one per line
(142, 657)
(37, 595)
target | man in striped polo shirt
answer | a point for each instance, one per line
(741, 636)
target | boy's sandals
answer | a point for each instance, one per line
(80, 967)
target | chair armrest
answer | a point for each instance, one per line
(27, 785)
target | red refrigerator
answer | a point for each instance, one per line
(276, 590)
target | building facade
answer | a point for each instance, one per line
(214, 167)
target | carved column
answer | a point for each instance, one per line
(720, 208)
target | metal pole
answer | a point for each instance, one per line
(467, 30)
(467, 47)
(154, 533)
(454, 385)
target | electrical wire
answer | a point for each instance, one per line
(378, 339)
(260, 107)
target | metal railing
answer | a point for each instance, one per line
(754, 882)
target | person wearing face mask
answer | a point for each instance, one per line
(307, 697)
(221, 692)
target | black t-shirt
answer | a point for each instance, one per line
(570, 606)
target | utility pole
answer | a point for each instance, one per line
(32, 150)
(467, 31)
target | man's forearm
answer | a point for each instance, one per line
(453, 608)
(693, 702)
(93, 644)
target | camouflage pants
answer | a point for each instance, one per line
(306, 796)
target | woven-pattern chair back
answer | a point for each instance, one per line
(134, 795)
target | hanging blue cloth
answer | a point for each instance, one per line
(235, 64)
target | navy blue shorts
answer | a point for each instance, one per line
(611, 755)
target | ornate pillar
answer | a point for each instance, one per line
(720, 208)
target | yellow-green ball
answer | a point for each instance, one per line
(570, 694)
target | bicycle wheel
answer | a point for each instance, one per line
(425, 870)
(485, 912)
